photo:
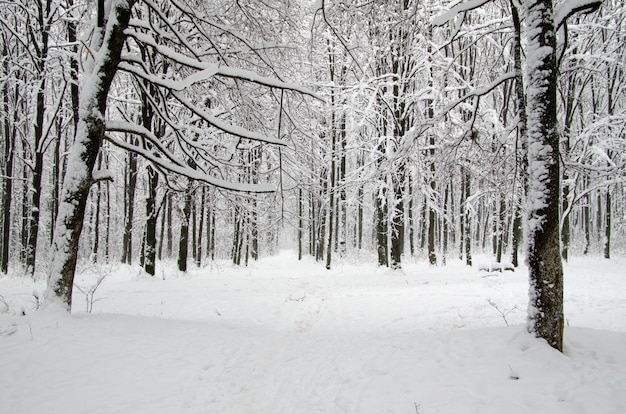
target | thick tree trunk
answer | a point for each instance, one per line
(82, 157)
(545, 310)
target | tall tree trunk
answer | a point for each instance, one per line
(331, 202)
(150, 241)
(586, 212)
(162, 232)
(522, 127)
(300, 223)
(545, 316)
(56, 174)
(183, 245)
(25, 210)
(194, 229)
(444, 223)
(397, 220)
(82, 158)
(607, 225)
(107, 234)
(411, 219)
(10, 132)
(200, 227)
(96, 223)
(38, 142)
(129, 198)
(212, 238)
(467, 236)
(342, 208)
(170, 225)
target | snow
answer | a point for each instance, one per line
(283, 336)
(568, 7)
(445, 17)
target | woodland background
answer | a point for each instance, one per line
(387, 134)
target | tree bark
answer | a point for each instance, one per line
(150, 241)
(82, 157)
(545, 310)
(9, 147)
(129, 198)
(183, 245)
(607, 225)
(200, 227)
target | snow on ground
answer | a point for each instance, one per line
(283, 336)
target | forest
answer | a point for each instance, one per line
(312, 206)
(395, 131)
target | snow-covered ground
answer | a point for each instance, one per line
(283, 336)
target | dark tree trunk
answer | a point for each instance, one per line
(517, 236)
(162, 232)
(300, 223)
(467, 237)
(411, 219)
(381, 227)
(501, 232)
(96, 223)
(212, 238)
(129, 198)
(432, 231)
(9, 147)
(544, 253)
(183, 245)
(321, 232)
(607, 225)
(38, 147)
(200, 227)
(24, 208)
(56, 174)
(522, 161)
(331, 203)
(194, 229)
(151, 222)
(170, 235)
(397, 222)
(82, 158)
(444, 223)
(586, 212)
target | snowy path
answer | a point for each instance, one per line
(284, 337)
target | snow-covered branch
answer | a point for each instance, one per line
(223, 126)
(481, 91)
(570, 7)
(445, 17)
(189, 172)
(155, 142)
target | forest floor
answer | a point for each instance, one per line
(283, 336)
